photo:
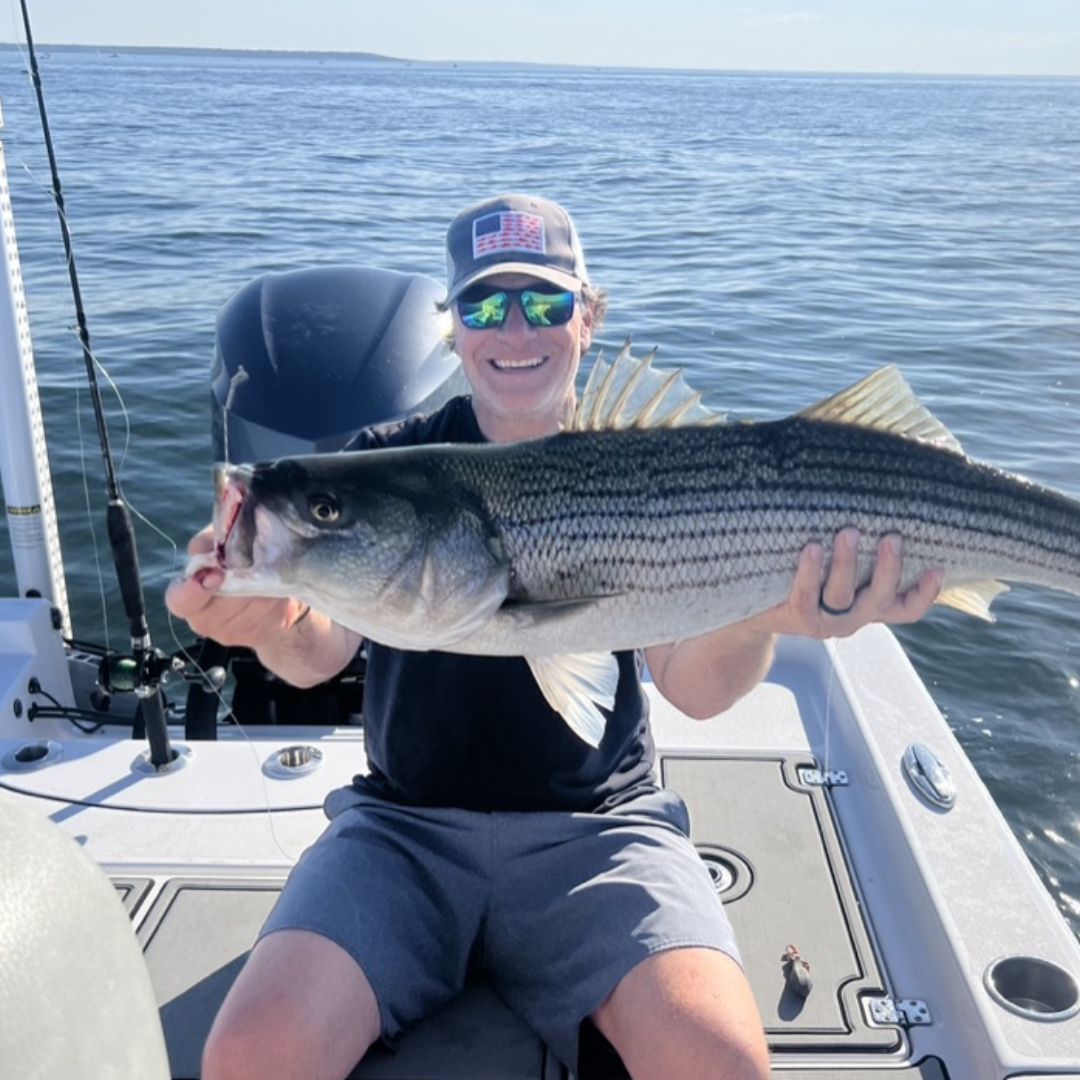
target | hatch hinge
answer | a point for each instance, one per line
(907, 1012)
(827, 778)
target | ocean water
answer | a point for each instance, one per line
(779, 236)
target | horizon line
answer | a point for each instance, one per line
(384, 58)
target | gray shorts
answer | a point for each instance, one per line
(556, 907)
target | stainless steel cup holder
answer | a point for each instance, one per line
(292, 761)
(1033, 988)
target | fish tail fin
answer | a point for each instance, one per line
(973, 597)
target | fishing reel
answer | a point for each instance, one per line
(142, 673)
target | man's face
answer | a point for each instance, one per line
(522, 376)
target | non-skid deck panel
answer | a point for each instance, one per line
(930, 1069)
(791, 887)
(753, 815)
(197, 935)
(132, 892)
(610, 1068)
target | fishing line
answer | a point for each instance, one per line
(124, 413)
(828, 704)
(88, 503)
(235, 382)
(120, 528)
(121, 533)
(126, 417)
(106, 630)
(289, 857)
(29, 69)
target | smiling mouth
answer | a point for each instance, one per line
(517, 365)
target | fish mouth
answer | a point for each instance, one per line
(232, 517)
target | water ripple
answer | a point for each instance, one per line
(779, 236)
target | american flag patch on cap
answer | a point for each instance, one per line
(508, 230)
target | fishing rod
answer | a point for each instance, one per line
(141, 672)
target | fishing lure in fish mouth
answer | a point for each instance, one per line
(645, 521)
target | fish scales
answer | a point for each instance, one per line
(610, 536)
(722, 512)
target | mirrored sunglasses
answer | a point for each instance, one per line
(484, 308)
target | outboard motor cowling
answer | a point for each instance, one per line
(302, 361)
(325, 352)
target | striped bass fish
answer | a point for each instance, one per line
(645, 521)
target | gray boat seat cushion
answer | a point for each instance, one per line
(75, 992)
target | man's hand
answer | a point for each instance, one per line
(824, 607)
(246, 621)
(299, 645)
(705, 675)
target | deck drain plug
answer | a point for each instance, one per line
(731, 874)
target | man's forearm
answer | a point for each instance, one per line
(705, 675)
(311, 651)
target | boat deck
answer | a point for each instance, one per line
(798, 802)
(773, 850)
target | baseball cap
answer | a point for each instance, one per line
(513, 234)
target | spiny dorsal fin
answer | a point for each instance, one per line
(973, 597)
(884, 401)
(631, 393)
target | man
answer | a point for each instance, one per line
(486, 830)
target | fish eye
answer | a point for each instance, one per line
(324, 508)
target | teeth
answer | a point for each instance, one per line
(506, 365)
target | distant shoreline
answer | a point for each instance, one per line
(198, 50)
(369, 57)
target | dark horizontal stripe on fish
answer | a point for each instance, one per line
(820, 498)
(972, 541)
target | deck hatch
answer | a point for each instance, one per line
(801, 894)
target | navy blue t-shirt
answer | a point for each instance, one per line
(446, 729)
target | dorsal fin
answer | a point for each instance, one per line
(631, 393)
(884, 401)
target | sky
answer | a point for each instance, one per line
(985, 37)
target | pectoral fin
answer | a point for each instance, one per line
(529, 613)
(575, 685)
